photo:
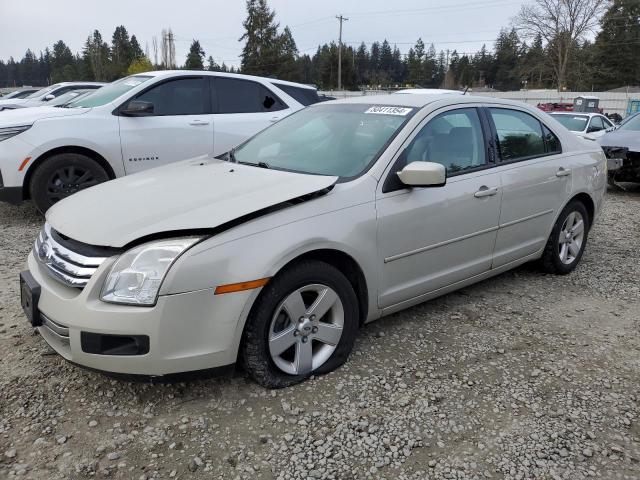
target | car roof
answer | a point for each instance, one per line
(67, 84)
(589, 114)
(421, 99)
(429, 91)
(174, 73)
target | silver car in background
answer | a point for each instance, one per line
(273, 254)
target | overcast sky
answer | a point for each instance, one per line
(450, 24)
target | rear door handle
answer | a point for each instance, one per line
(486, 192)
(562, 172)
(197, 123)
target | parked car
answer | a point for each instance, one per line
(428, 91)
(133, 124)
(586, 125)
(275, 253)
(22, 93)
(66, 98)
(40, 97)
(622, 147)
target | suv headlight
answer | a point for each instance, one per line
(136, 277)
(9, 132)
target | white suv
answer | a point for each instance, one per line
(133, 124)
(44, 95)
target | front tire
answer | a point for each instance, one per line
(62, 175)
(568, 239)
(304, 322)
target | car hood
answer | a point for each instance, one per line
(7, 102)
(26, 116)
(201, 193)
(621, 138)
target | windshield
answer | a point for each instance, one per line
(633, 124)
(43, 91)
(340, 139)
(109, 92)
(68, 97)
(575, 123)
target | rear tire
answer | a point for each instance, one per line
(62, 175)
(284, 342)
(568, 239)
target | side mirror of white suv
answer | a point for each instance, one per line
(137, 108)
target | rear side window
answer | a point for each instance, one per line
(552, 143)
(185, 96)
(519, 134)
(244, 96)
(304, 96)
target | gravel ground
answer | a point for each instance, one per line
(522, 376)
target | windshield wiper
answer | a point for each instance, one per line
(263, 165)
(231, 155)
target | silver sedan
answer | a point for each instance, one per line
(274, 254)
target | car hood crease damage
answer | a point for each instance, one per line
(177, 198)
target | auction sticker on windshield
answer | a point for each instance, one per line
(380, 110)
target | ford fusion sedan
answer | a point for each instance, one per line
(623, 144)
(44, 95)
(275, 254)
(586, 125)
(134, 124)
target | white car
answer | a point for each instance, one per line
(44, 95)
(428, 91)
(23, 92)
(133, 124)
(335, 216)
(585, 125)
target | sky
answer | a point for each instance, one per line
(464, 25)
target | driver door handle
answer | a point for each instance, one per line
(197, 123)
(486, 192)
(562, 172)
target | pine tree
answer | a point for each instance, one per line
(63, 68)
(287, 56)
(96, 57)
(195, 57)
(260, 51)
(617, 44)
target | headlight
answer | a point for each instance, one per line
(136, 277)
(9, 132)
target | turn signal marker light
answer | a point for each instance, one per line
(24, 164)
(239, 287)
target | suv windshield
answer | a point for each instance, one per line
(109, 93)
(340, 139)
(575, 123)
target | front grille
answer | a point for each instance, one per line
(68, 266)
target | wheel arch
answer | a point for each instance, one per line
(95, 156)
(348, 266)
(588, 202)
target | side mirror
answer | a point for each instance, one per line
(48, 98)
(137, 108)
(423, 174)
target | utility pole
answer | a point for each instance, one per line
(340, 19)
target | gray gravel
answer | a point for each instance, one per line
(522, 376)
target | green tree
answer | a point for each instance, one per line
(260, 51)
(617, 44)
(62, 63)
(96, 57)
(195, 57)
(140, 65)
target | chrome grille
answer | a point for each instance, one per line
(63, 264)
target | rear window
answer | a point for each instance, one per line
(244, 96)
(304, 96)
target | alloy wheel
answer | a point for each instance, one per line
(571, 238)
(306, 329)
